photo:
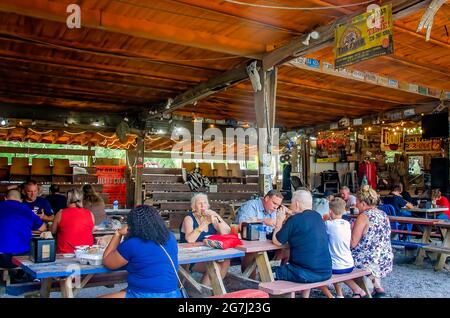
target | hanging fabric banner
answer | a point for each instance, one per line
(356, 41)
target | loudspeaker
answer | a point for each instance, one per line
(440, 174)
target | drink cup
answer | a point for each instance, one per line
(234, 229)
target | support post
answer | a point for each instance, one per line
(89, 158)
(265, 119)
(138, 169)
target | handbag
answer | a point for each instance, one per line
(223, 241)
(183, 291)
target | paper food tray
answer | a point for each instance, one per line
(91, 259)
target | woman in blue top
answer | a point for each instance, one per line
(200, 223)
(150, 271)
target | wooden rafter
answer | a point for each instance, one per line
(202, 90)
(144, 28)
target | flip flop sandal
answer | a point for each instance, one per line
(359, 296)
(377, 294)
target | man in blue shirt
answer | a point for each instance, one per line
(305, 231)
(38, 205)
(261, 209)
(16, 223)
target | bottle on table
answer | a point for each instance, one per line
(116, 205)
(262, 232)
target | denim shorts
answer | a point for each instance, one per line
(342, 271)
(298, 274)
(135, 294)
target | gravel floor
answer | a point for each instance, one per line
(406, 281)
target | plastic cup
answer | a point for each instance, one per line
(234, 229)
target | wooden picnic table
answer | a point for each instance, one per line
(443, 251)
(260, 249)
(426, 211)
(65, 269)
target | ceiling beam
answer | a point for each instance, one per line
(400, 28)
(202, 90)
(75, 66)
(327, 89)
(353, 79)
(296, 48)
(31, 69)
(142, 28)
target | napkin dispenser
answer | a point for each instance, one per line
(42, 250)
(250, 231)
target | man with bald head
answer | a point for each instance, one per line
(305, 231)
(17, 221)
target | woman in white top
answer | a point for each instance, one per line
(339, 236)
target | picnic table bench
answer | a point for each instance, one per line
(288, 289)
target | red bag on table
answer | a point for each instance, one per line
(222, 241)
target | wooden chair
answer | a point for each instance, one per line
(4, 168)
(205, 169)
(234, 171)
(189, 166)
(20, 168)
(41, 167)
(220, 170)
(61, 167)
(61, 171)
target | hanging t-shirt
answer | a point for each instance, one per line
(368, 170)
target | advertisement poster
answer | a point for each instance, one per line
(356, 42)
(415, 143)
(391, 140)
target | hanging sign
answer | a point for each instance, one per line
(360, 39)
(414, 143)
(391, 140)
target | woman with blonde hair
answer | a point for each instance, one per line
(93, 202)
(371, 239)
(199, 223)
(73, 225)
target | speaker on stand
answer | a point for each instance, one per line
(440, 174)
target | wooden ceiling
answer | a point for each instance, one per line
(130, 54)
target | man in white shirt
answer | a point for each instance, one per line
(350, 199)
